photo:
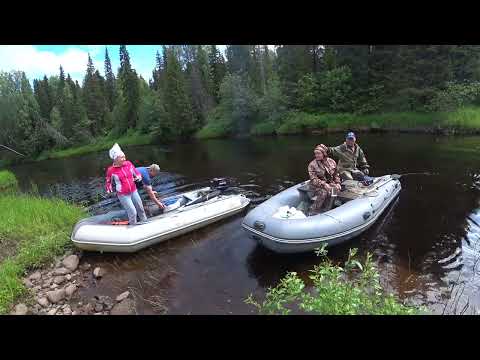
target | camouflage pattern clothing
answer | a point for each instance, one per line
(349, 160)
(322, 173)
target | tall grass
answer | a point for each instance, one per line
(8, 181)
(103, 143)
(33, 231)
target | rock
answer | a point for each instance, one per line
(126, 307)
(99, 272)
(43, 301)
(58, 279)
(67, 311)
(37, 288)
(21, 309)
(53, 311)
(56, 295)
(53, 286)
(61, 271)
(70, 289)
(71, 262)
(87, 309)
(106, 301)
(122, 296)
(27, 283)
(74, 312)
(68, 277)
(35, 276)
(85, 266)
(98, 307)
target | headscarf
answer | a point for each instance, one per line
(322, 148)
(115, 152)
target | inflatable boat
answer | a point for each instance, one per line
(184, 212)
(282, 225)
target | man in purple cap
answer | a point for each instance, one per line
(352, 163)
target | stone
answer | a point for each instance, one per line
(122, 296)
(70, 289)
(56, 295)
(87, 309)
(58, 279)
(75, 312)
(61, 271)
(68, 277)
(98, 307)
(35, 276)
(43, 301)
(53, 286)
(85, 266)
(126, 307)
(27, 283)
(37, 288)
(21, 309)
(67, 311)
(71, 262)
(99, 272)
(53, 311)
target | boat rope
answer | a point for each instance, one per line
(16, 152)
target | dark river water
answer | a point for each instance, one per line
(426, 244)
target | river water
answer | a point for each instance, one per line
(426, 244)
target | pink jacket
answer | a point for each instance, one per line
(123, 178)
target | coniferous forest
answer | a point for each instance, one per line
(198, 91)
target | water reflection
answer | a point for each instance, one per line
(425, 245)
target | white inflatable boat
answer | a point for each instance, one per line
(185, 212)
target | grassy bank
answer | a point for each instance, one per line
(463, 120)
(99, 144)
(8, 181)
(33, 231)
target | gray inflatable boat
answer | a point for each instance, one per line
(356, 208)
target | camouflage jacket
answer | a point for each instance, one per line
(322, 173)
(348, 160)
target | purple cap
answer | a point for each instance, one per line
(351, 135)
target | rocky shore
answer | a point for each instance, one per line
(54, 291)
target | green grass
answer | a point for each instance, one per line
(297, 122)
(8, 181)
(212, 131)
(33, 231)
(99, 144)
(353, 289)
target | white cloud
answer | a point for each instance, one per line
(37, 63)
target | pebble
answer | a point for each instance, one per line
(70, 289)
(56, 296)
(122, 296)
(43, 301)
(71, 262)
(58, 279)
(99, 272)
(53, 311)
(35, 276)
(61, 271)
(21, 309)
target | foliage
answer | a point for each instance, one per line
(353, 289)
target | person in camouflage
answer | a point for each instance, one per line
(323, 178)
(352, 163)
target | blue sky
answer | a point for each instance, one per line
(38, 60)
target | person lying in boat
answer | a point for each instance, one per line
(324, 179)
(352, 163)
(148, 172)
(123, 174)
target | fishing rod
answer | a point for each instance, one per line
(16, 152)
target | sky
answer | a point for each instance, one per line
(39, 60)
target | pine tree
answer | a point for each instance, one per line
(130, 88)
(94, 99)
(217, 70)
(110, 86)
(178, 108)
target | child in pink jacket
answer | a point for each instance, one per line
(123, 174)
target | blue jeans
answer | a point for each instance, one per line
(132, 203)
